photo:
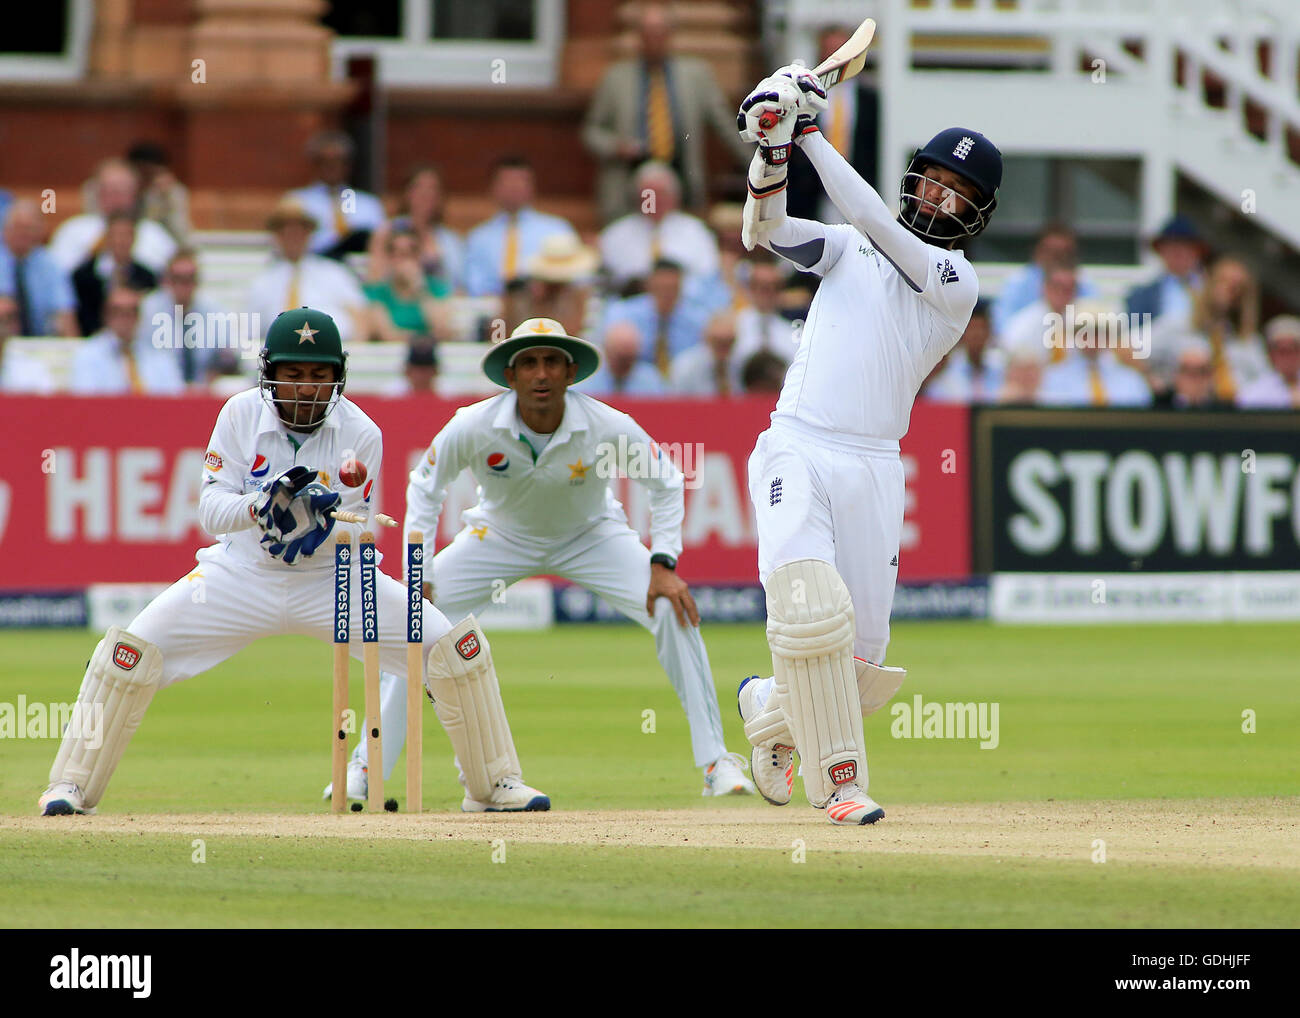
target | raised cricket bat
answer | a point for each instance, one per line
(845, 63)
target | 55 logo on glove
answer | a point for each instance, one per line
(468, 646)
(842, 773)
(125, 657)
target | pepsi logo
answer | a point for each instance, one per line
(260, 466)
(499, 462)
(365, 492)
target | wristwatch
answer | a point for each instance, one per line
(660, 559)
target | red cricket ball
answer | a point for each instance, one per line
(353, 473)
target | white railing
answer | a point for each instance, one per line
(1153, 56)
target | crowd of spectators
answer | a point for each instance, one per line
(665, 288)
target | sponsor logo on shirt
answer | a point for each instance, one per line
(365, 492)
(947, 274)
(432, 457)
(260, 466)
(498, 462)
(212, 461)
(774, 496)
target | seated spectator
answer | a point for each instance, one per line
(710, 369)
(1193, 387)
(1279, 387)
(621, 371)
(556, 284)
(659, 228)
(972, 373)
(666, 319)
(174, 318)
(1056, 246)
(41, 290)
(1092, 376)
(497, 250)
(1181, 252)
(725, 220)
(406, 303)
(162, 198)
(345, 216)
(442, 250)
(113, 267)
(19, 373)
(763, 374)
(760, 324)
(1022, 378)
(296, 278)
(117, 190)
(112, 363)
(420, 373)
(1033, 325)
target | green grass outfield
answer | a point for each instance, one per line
(1127, 736)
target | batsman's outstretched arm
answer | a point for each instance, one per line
(862, 207)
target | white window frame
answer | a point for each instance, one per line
(416, 61)
(70, 65)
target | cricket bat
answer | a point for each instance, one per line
(845, 63)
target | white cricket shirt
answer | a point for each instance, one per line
(556, 494)
(250, 446)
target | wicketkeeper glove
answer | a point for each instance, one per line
(277, 493)
(302, 526)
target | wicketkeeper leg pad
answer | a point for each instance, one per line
(877, 684)
(810, 632)
(119, 684)
(467, 698)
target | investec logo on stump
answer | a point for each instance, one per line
(75, 971)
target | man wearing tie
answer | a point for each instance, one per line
(296, 278)
(497, 250)
(345, 216)
(110, 363)
(40, 288)
(656, 106)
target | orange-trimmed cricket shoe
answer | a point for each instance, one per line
(851, 806)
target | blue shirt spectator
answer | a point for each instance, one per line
(1055, 246)
(496, 251)
(621, 371)
(43, 291)
(669, 317)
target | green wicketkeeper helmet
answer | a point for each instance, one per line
(302, 334)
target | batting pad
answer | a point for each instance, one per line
(120, 681)
(877, 684)
(467, 698)
(810, 632)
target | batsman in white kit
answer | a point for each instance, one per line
(543, 457)
(825, 478)
(270, 484)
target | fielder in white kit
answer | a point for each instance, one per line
(541, 455)
(825, 479)
(270, 484)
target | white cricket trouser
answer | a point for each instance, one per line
(223, 605)
(816, 497)
(611, 562)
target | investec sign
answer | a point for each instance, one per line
(1117, 491)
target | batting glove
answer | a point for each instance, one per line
(812, 96)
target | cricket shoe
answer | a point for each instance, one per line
(63, 798)
(510, 795)
(850, 806)
(772, 766)
(725, 776)
(358, 783)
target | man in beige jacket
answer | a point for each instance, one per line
(656, 106)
